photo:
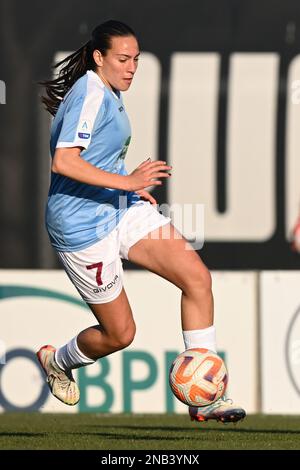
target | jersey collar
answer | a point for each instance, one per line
(96, 77)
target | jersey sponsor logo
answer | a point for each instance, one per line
(85, 124)
(84, 135)
(121, 157)
(84, 129)
(107, 287)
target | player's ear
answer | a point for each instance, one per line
(98, 57)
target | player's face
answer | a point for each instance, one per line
(120, 63)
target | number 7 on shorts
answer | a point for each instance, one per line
(98, 273)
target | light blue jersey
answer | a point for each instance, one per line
(93, 117)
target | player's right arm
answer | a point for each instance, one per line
(67, 161)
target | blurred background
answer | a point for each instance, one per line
(217, 95)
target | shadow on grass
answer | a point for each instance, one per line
(202, 427)
(103, 435)
(126, 437)
(23, 434)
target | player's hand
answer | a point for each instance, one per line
(147, 174)
(146, 196)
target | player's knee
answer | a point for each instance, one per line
(123, 338)
(198, 280)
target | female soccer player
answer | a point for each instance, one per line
(98, 214)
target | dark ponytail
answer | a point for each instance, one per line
(76, 65)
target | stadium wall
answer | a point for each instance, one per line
(216, 94)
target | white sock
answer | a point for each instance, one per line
(205, 338)
(69, 356)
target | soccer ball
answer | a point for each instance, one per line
(198, 377)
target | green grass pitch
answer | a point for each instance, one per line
(145, 432)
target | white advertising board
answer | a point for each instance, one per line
(43, 307)
(280, 341)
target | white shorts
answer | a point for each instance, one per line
(97, 271)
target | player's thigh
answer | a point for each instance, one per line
(115, 318)
(96, 271)
(167, 253)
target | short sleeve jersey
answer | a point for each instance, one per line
(93, 117)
